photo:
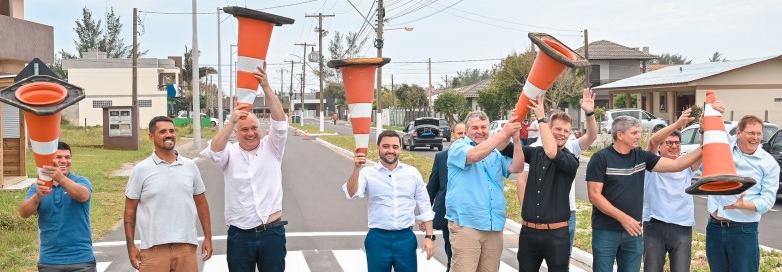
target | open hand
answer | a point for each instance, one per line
(588, 100)
(537, 107)
(741, 204)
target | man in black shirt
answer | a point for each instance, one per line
(615, 182)
(546, 208)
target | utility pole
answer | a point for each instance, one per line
(196, 92)
(231, 74)
(290, 94)
(429, 97)
(393, 98)
(588, 69)
(282, 83)
(381, 14)
(219, 76)
(134, 103)
(303, 75)
(320, 30)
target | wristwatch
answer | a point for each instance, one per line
(543, 120)
(430, 237)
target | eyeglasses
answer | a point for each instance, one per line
(673, 143)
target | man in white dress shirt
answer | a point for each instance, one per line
(253, 186)
(393, 189)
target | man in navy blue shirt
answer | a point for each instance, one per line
(63, 216)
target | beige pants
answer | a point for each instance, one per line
(174, 257)
(474, 250)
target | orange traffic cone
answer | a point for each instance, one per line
(719, 172)
(42, 98)
(306, 136)
(358, 76)
(546, 69)
(255, 31)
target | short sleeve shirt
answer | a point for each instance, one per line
(166, 210)
(622, 176)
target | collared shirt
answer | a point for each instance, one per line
(166, 210)
(253, 179)
(58, 213)
(475, 197)
(548, 185)
(392, 196)
(665, 199)
(760, 166)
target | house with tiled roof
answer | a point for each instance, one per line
(470, 92)
(612, 62)
(747, 86)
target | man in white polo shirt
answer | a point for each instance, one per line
(164, 196)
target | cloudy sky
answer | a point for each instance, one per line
(452, 33)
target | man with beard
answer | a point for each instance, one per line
(63, 208)
(252, 172)
(475, 201)
(545, 211)
(615, 183)
(164, 196)
(669, 212)
(732, 232)
(437, 188)
(393, 190)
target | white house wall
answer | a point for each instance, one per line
(115, 84)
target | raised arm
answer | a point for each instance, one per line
(666, 165)
(271, 98)
(546, 137)
(588, 105)
(30, 205)
(659, 136)
(220, 140)
(499, 140)
(359, 159)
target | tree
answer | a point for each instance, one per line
(673, 59)
(507, 83)
(566, 89)
(410, 96)
(717, 57)
(88, 31)
(450, 103)
(469, 77)
(91, 36)
(112, 43)
(620, 99)
(489, 100)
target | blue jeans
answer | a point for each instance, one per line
(248, 249)
(609, 245)
(391, 248)
(571, 225)
(732, 248)
(448, 253)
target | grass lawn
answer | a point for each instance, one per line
(422, 163)
(19, 238)
(311, 129)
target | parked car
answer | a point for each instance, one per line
(648, 121)
(691, 137)
(774, 147)
(212, 121)
(423, 132)
(495, 126)
(445, 129)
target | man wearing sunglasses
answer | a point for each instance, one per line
(668, 212)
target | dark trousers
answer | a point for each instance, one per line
(661, 238)
(391, 248)
(732, 248)
(79, 267)
(537, 245)
(248, 250)
(448, 253)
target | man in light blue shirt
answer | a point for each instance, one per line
(732, 232)
(393, 190)
(475, 202)
(669, 212)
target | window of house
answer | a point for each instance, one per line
(594, 75)
(97, 104)
(145, 103)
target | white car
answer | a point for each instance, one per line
(691, 137)
(648, 121)
(212, 121)
(495, 126)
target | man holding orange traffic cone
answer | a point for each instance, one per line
(732, 231)
(615, 182)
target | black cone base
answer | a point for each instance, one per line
(721, 185)
(8, 95)
(358, 62)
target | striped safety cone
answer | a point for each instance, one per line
(358, 76)
(719, 172)
(545, 70)
(42, 98)
(255, 32)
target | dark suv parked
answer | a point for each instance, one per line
(774, 147)
(424, 132)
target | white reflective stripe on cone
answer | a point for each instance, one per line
(44, 148)
(715, 136)
(708, 110)
(42, 176)
(532, 91)
(362, 140)
(360, 110)
(249, 64)
(246, 95)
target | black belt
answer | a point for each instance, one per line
(268, 226)
(725, 223)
